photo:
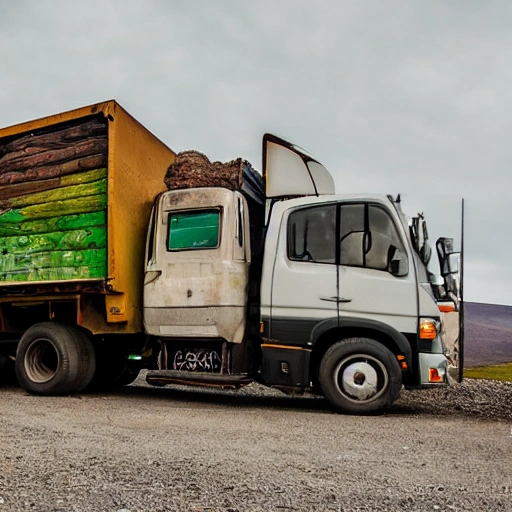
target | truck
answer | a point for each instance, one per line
(117, 255)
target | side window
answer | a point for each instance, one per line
(352, 235)
(240, 222)
(369, 239)
(312, 234)
(193, 230)
(386, 250)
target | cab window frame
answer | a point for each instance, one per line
(365, 220)
(290, 236)
(210, 210)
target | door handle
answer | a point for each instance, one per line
(335, 299)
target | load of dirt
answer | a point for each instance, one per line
(192, 169)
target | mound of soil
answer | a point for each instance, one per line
(192, 169)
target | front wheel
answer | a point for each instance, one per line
(360, 376)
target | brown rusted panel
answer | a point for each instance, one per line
(22, 160)
(68, 135)
(21, 189)
(44, 172)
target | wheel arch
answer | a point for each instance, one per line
(325, 334)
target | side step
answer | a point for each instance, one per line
(163, 377)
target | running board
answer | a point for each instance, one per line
(163, 377)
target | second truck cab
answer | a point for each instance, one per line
(299, 288)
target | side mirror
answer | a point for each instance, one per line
(449, 264)
(453, 262)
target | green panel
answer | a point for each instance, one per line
(56, 234)
(79, 239)
(194, 230)
(55, 274)
(66, 222)
(53, 265)
(55, 209)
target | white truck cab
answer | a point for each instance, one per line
(331, 295)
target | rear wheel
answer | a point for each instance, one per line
(7, 372)
(112, 370)
(360, 376)
(54, 359)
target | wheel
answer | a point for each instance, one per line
(7, 372)
(54, 359)
(360, 376)
(103, 381)
(127, 377)
(112, 370)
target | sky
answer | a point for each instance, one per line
(410, 97)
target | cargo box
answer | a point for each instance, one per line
(76, 190)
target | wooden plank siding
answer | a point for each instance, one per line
(53, 202)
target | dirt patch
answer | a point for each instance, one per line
(183, 449)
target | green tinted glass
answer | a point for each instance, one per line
(193, 230)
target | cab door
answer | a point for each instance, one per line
(305, 275)
(299, 284)
(197, 265)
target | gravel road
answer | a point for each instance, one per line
(179, 449)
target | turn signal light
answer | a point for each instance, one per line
(428, 330)
(433, 375)
(402, 362)
(447, 307)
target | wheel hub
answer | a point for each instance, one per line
(360, 380)
(41, 361)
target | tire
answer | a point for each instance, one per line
(7, 372)
(54, 359)
(106, 382)
(112, 371)
(360, 376)
(127, 377)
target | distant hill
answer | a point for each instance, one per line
(488, 334)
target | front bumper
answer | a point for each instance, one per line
(435, 370)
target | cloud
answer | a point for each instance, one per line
(407, 97)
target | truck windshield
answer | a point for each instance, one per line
(193, 230)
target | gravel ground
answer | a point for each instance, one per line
(180, 449)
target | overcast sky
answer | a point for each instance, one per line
(391, 96)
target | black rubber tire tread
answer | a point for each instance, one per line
(341, 350)
(75, 351)
(88, 355)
